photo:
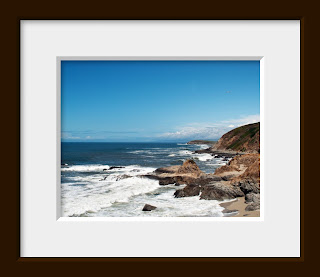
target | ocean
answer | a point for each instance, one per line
(90, 187)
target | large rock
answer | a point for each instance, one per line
(220, 191)
(190, 190)
(190, 167)
(148, 208)
(166, 181)
(249, 186)
(169, 170)
(187, 173)
(252, 197)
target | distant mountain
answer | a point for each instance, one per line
(242, 139)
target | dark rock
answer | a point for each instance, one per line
(252, 197)
(227, 177)
(190, 190)
(150, 176)
(248, 186)
(163, 181)
(220, 191)
(148, 208)
(113, 167)
(124, 176)
(253, 207)
(169, 169)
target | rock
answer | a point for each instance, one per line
(188, 173)
(253, 207)
(148, 208)
(121, 177)
(169, 169)
(113, 167)
(220, 191)
(166, 181)
(190, 190)
(252, 197)
(227, 211)
(249, 186)
(189, 167)
(201, 180)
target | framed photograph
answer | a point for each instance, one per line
(137, 141)
(137, 136)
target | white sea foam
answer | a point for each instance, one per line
(167, 205)
(90, 191)
(184, 152)
(85, 168)
(203, 146)
(203, 157)
(77, 201)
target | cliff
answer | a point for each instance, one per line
(242, 139)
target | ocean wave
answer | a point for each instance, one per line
(85, 168)
(76, 201)
(203, 157)
(184, 152)
(167, 206)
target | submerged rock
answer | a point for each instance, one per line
(148, 208)
(113, 167)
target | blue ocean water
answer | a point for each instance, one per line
(103, 179)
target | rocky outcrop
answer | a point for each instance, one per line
(187, 173)
(148, 208)
(240, 177)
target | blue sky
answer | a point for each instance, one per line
(119, 101)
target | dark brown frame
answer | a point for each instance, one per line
(227, 11)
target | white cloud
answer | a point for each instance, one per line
(209, 130)
(66, 135)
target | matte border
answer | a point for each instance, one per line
(58, 209)
(230, 11)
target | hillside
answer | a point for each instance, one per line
(242, 139)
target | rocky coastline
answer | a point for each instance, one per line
(238, 180)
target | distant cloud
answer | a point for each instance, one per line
(208, 130)
(68, 135)
(195, 130)
(90, 135)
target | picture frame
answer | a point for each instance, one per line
(15, 190)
